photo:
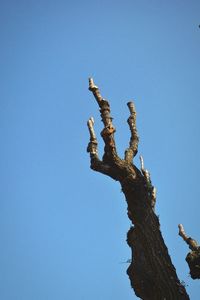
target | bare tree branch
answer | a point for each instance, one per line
(92, 146)
(110, 152)
(134, 140)
(193, 245)
(95, 90)
(96, 163)
(151, 272)
(193, 257)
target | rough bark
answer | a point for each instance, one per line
(193, 257)
(151, 272)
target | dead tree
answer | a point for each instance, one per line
(151, 272)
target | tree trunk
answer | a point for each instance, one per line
(151, 272)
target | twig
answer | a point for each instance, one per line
(92, 146)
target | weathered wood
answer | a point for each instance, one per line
(193, 257)
(151, 272)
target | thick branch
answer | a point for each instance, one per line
(193, 257)
(134, 140)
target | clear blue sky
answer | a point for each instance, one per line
(62, 226)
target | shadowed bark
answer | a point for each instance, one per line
(151, 272)
(193, 257)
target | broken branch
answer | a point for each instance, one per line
(95, 90)
(193, 245)
(134, 139)
(108, 131)
(193, 257)
(96, 163)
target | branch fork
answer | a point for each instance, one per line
(151, 272)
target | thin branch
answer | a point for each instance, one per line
(96, 163)
(193, 245)
(95, 90)
(134, 140)
(92, 146)
(193, 257)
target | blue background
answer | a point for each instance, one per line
(62, 226)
